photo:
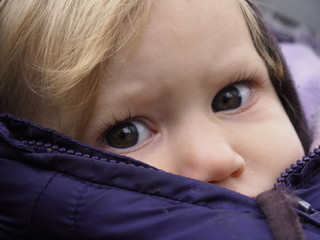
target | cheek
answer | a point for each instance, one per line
(272, 144)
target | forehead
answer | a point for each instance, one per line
(193, 26)
(188, 35)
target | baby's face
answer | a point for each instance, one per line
(193, 98)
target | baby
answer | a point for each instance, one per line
(195, 88)
(193, 92)
(195, 98)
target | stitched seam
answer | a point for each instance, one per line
(35, 205)
(92, 184)
(103, 156)
(170, 200)
(51, 132)
(76, 212)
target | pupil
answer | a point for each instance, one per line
(227, 99)
(123, 135)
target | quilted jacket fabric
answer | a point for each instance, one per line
(53, 187)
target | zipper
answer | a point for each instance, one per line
(307, 213)
(296, 168)
(304, 209)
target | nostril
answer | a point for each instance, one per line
(238, 172)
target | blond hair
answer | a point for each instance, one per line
(53, 54)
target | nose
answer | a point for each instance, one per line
(206, 154)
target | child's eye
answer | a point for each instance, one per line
(231, 97)
(126, 134)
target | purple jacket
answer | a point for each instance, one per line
(53, 187)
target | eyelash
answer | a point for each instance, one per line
(253, 80)
(103, 126)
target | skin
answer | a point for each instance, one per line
(166, 82)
